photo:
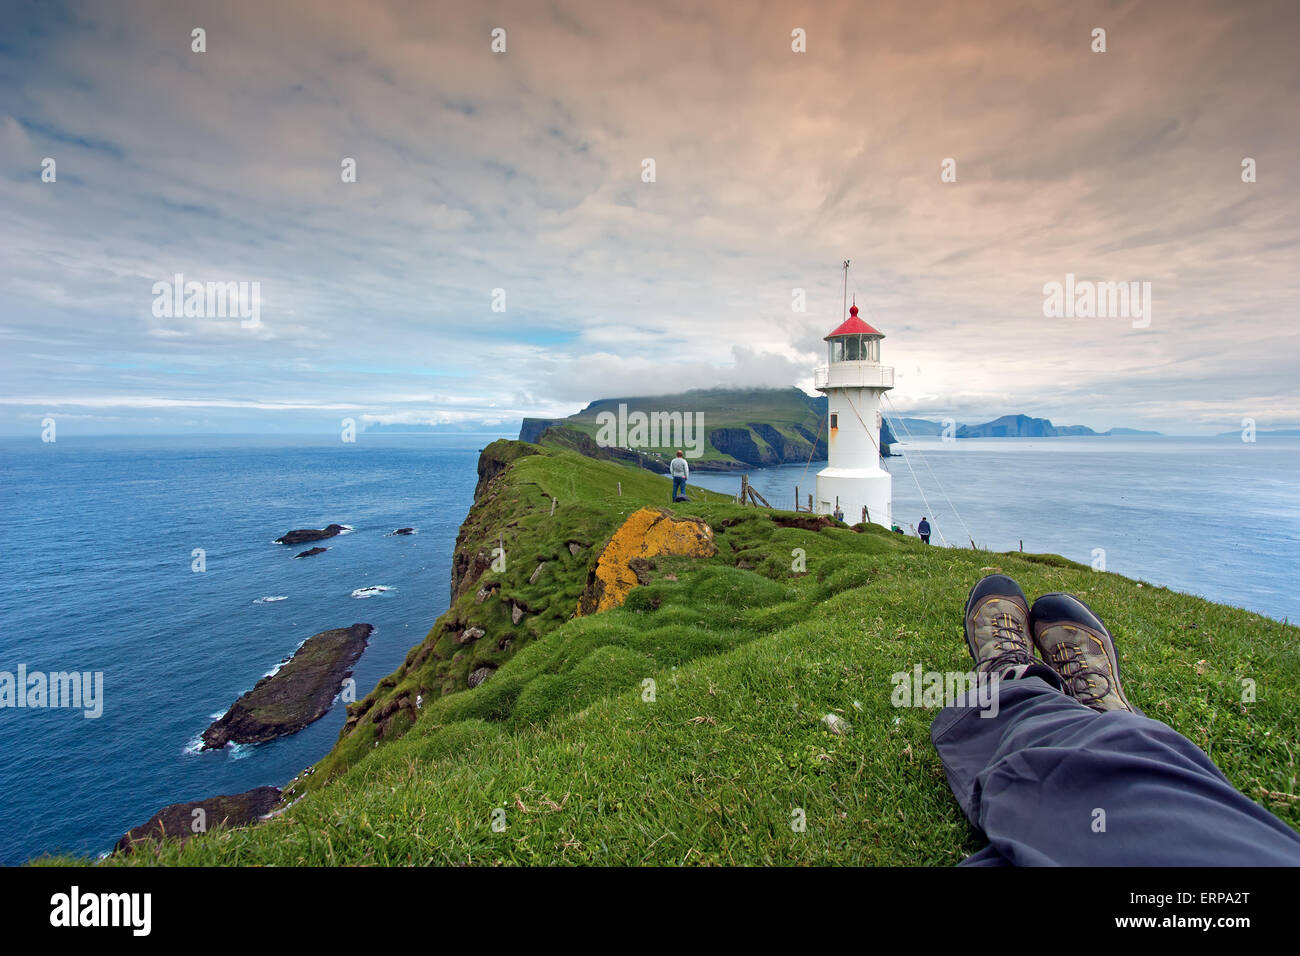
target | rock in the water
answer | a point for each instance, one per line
(299, 693)
(179, 821)
(303, 535)
(309, 552)
(404, 531)
(647, 533)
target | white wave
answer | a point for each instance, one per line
(371, 591)
(240, 751)
(272, 599)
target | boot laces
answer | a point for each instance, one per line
(1088, 685)
(1008, 645)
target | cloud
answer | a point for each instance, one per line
(523, 172)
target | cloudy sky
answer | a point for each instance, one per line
(523, 171)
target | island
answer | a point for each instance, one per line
(296, 695)
(303, 535)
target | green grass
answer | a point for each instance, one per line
(562, 744)
(789, 411)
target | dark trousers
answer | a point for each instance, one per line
(925, 538)
(1052, 782)
(679, 487)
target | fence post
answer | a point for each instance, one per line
(553, 507)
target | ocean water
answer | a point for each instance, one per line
(1215, 517)
(96, 575)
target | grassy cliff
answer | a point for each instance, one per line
(687, 726)
(742, 427)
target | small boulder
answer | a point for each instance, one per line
(479, 676)
(308, 553)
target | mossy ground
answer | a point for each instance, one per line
(747, 651)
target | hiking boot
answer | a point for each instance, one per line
(1078, 647)
(997, 625)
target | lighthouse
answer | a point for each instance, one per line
(854, 381)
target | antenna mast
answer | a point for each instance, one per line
(844, 316)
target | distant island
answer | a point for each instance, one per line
(1010, 426)
(747, 428)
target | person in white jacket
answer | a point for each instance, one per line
(680, 472)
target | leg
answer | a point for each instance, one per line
(1034, 777)
(1066, 771)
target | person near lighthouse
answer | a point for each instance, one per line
(923, 529)
(680, 471)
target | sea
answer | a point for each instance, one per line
(98, 572)
(152, 560)
(1214, 517)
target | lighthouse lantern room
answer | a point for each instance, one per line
(854, 381)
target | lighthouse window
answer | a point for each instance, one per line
(835, 420)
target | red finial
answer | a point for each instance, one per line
(854, 309)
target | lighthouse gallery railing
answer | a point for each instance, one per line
(854, 375)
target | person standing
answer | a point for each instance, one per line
(923, 529)
(680, 472)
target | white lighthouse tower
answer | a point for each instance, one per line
(854, 381)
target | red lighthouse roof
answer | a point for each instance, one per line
(854, 326)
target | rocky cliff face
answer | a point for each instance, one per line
(531, 429)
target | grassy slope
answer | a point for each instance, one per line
(722, 408)
(747, 660)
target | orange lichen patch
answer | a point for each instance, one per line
(646, 534)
